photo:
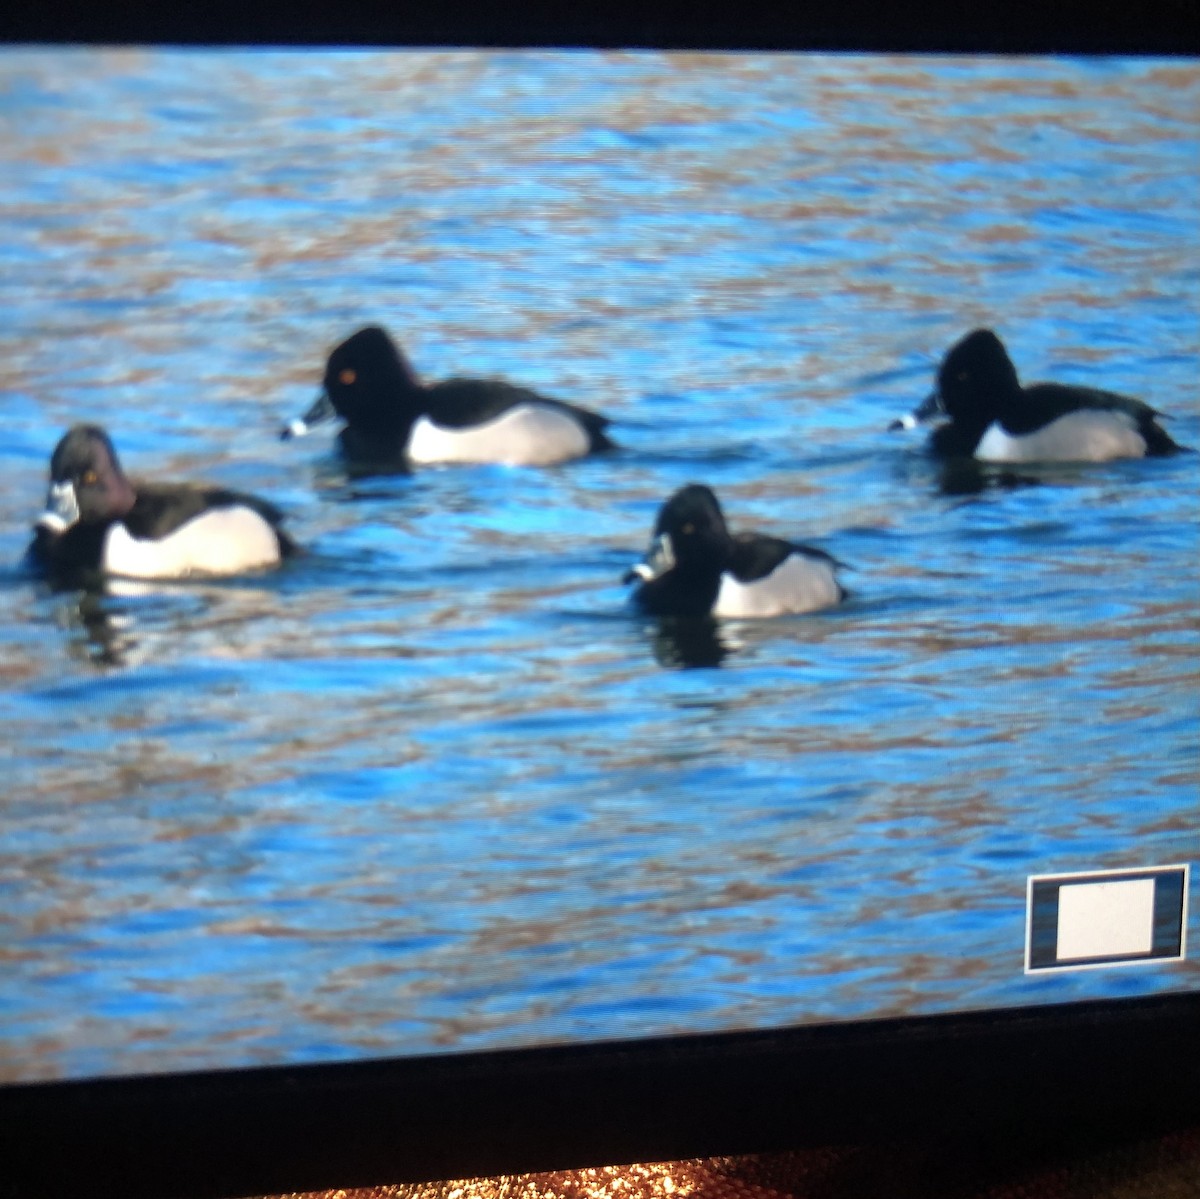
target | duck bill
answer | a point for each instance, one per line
(321, 412)
(659, 559)
(62, 509)
(929, 408)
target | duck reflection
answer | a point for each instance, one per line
(98, 632)
(122, 623)
(966, 476)
(969, 476)
(682, 642)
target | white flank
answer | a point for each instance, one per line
(797, 584)
(224, 541)
(527, 435)
(1089, 435)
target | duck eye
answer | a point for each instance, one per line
(688, 528)
(347, 376)
(89, 477)
(963, 376)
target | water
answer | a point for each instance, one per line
(433, 787)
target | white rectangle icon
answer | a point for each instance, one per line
(1105, 919)
(1099, 919)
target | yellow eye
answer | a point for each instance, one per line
(347, 376)
(688, 528)
(90, 477)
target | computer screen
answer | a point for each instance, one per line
(436, 788)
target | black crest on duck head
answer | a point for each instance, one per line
(368, 373)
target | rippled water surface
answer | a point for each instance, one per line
(433, 786)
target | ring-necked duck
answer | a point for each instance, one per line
(695, 567)
(995, 419)
(393, 419)
(96, 520)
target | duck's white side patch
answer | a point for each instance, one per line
(527, 435)
(797, 584)
(223, 541)
(1089, 435)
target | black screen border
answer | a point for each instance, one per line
(1150, 27)
(1015, 1082)
(1078, 1073)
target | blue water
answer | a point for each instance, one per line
(433, 787)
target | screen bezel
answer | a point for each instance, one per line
(1072, 1073)
(1017, 1081)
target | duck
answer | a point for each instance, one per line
(993, 418)
(695, 567)
(97, 521)
(392, 419)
